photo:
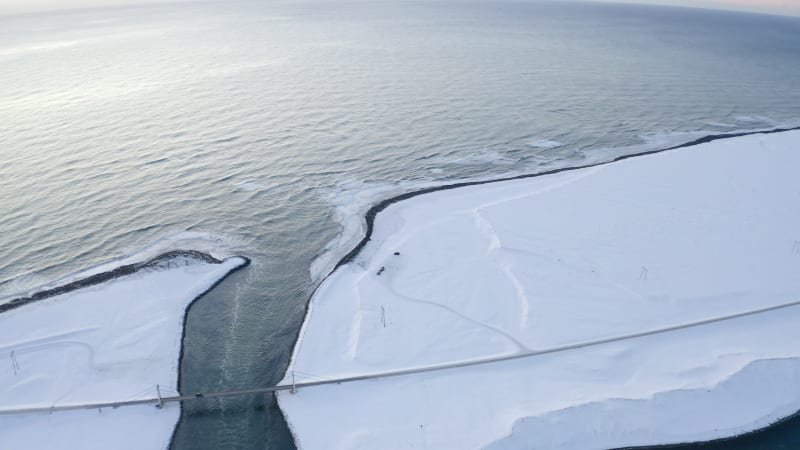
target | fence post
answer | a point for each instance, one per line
(293, 387)
(160, 400)
(14, 364)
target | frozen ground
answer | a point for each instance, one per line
(511, 267)
(109, 342)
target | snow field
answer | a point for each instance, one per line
(110, 342)
(508, 267)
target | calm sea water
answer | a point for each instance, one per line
(264, 129)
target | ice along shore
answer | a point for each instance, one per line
(513, 266)
(108, 337)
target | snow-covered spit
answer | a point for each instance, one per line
(516, 266)
(107, 342)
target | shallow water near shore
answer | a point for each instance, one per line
(267, 130)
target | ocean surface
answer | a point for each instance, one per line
(266, 129)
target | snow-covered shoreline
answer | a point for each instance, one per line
(499, 268)
(111, 337)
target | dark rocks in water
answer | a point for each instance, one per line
(164, 260)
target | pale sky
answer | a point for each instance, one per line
(786, 7)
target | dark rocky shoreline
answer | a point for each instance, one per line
(380, 206)
(161, 261)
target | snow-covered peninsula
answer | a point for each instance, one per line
(495, 270)
(105, 342)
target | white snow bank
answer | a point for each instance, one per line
(508, 267)
(776, 397)
(110, 342)
(349, 200)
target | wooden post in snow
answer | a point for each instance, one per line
(14, 363)
(160, 400)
